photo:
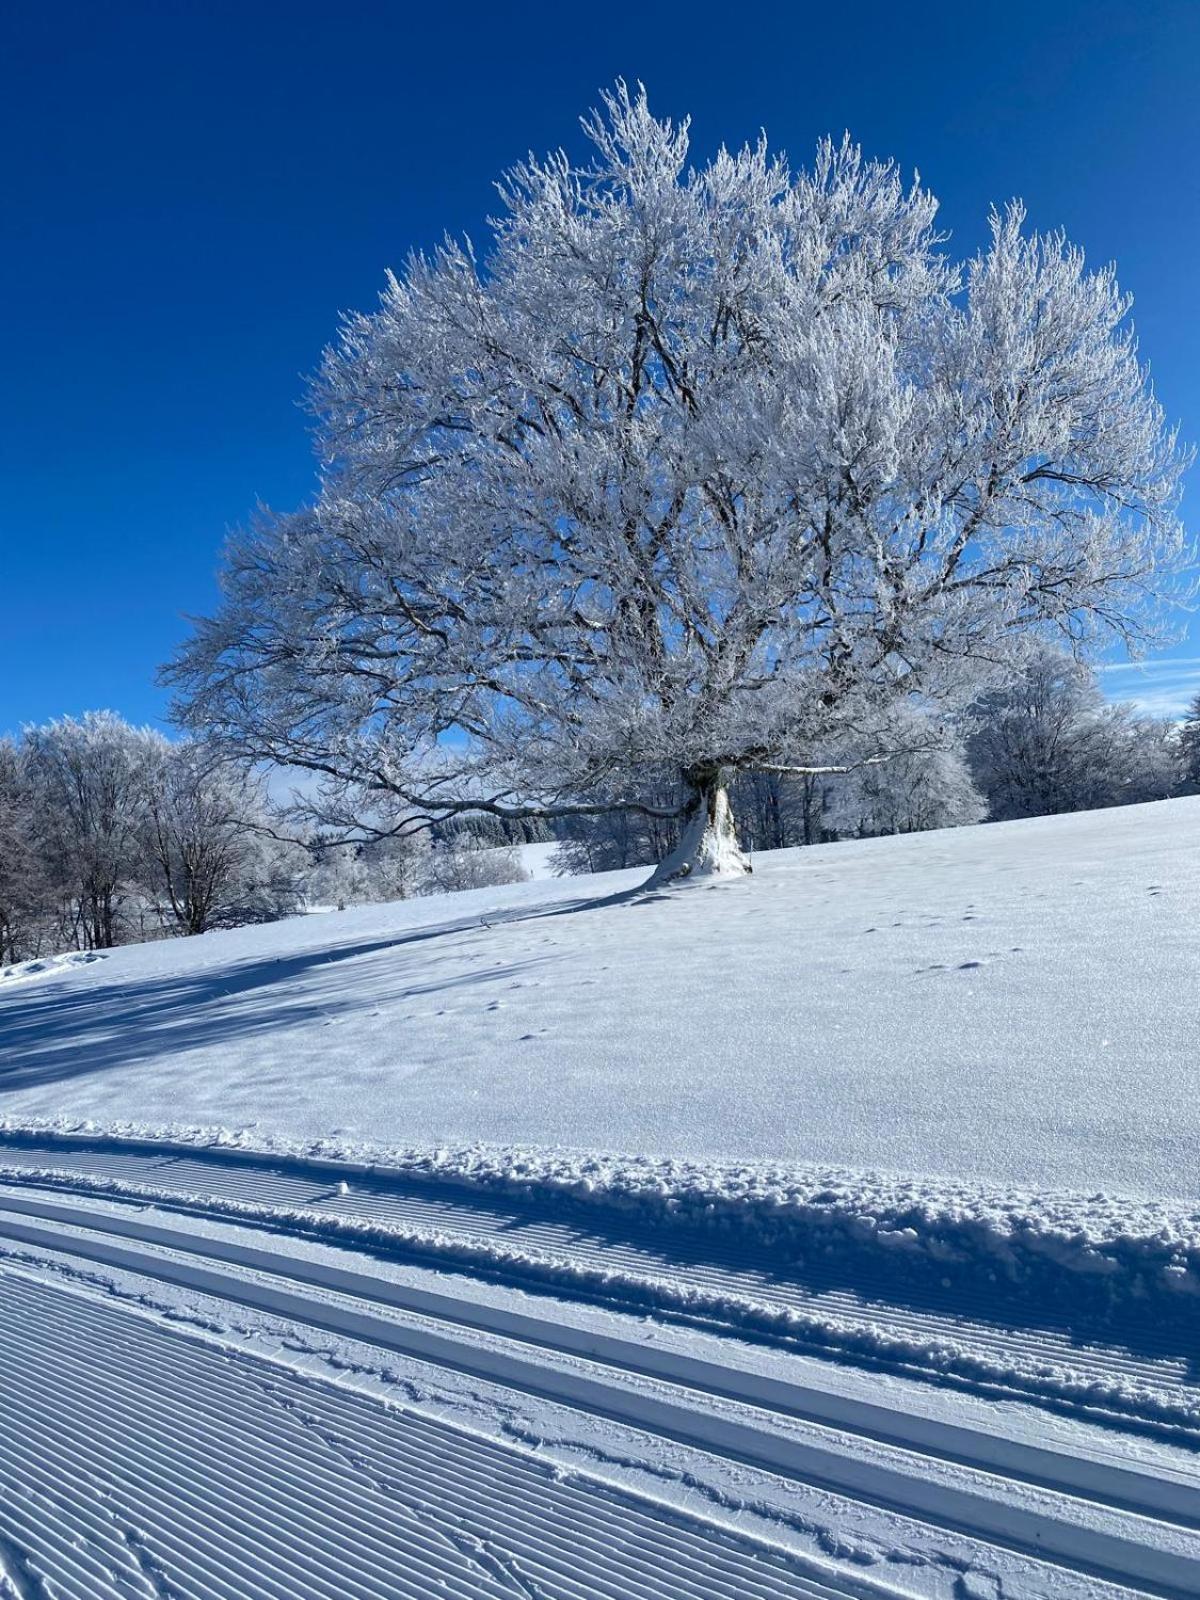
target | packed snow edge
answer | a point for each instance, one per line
(1096, 1256)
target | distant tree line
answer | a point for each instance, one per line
(111, 833)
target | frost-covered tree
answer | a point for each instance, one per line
(88, 780)
(339, 877)
(398, 866)
(1189, 745)
(456, 865)
(367, 872)
(931, 788)
(206, 856)
(110, 832)
(1049, 742)
(698, 467)
(1155, 768)
(24, 889)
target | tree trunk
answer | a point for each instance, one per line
(708, 846)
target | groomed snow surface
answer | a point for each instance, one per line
(221, 1376)
(834, 1232)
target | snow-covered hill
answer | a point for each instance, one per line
(724, 1355)
(1014, 1004)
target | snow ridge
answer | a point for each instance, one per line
(1094, 1258)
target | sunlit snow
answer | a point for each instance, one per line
(1012, 1004)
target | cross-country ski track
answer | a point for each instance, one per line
(161, 1437)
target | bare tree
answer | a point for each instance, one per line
(88, 779)
(616, 839)
(205, 852)
(701, 468)
(778, 809)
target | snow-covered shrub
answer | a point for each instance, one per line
(455, 866)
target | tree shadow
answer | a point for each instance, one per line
(59, 1032)
(56, 1031)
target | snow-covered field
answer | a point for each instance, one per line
(539, 859)
(1010, 1005)
(829, 1234)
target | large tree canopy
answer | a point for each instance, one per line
(698, 470)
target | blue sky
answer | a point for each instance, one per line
(193, 191)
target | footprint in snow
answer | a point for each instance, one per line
(962, 966)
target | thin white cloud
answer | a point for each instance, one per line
(1163, 664)
(1163, 688)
